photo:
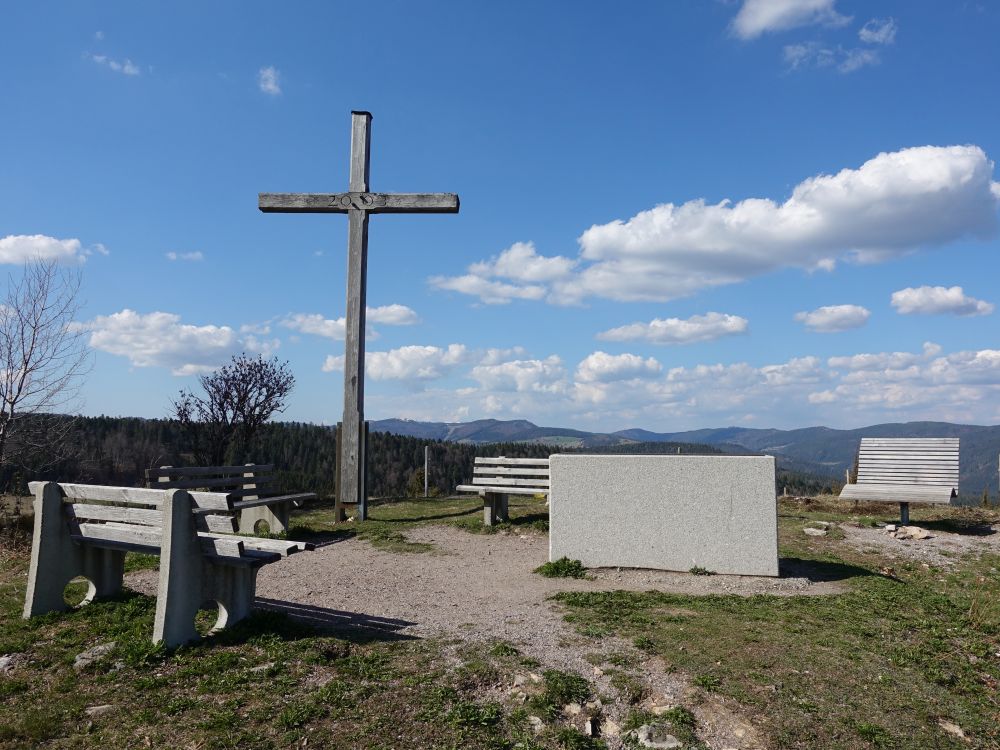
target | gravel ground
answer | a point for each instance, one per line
(942, 549)
(481, 588)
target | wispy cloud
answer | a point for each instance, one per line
(268, 79)
(815, 54)
(878, 31)
(192, 256)
(125, 67)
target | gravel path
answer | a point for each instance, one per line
(481, 588)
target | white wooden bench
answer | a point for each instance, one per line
(85, 530)
(905, 470)
(248, 483)
(496, 478)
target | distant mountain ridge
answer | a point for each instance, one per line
(817, 449)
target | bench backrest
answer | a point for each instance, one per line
(917, 461)
(245, 482)
(131, 517)
(512, 472)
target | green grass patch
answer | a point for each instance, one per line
(562, 568)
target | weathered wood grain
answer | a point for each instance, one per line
(374, 203)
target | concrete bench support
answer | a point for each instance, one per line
(495, 508)
(56, 560)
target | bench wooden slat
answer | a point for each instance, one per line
(504, 471)
(199, 471)
(481, 489)
(512, 461)
(297, 498)
(134, 534)
(124, 514)
(206, 482)
(506, 481)
(896, 493)
(139, 495)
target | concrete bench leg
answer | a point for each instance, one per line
(276, 517)
(233, 587)
(188, 579)
(494, 508)
(56, 559)
(179, 596)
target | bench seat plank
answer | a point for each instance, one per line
(504, 490)
(894, 493)
(137, 495)
(483, 461)
(297, 499)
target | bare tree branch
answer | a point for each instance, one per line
(238, 399)
(43, 361)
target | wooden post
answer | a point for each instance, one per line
(358, 204)
(904, 514)
(426, 466)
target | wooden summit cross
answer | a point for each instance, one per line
(358, 203)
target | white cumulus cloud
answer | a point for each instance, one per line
(937, 300)
(522, 375)
(892, 205)
(757, 17)
(335, 328)
(269, 80)
(160, 339)
(705, 327)
(521, 262)
(407, 362)
(19, 248)
(833, 318)
(601, 367)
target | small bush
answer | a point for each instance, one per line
(562, 568)
(559, 689)
(697, 570)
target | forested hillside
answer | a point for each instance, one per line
(117, 450)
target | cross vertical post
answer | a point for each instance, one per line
(358, 203)
(352, 484)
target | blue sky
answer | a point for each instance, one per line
(771, 213)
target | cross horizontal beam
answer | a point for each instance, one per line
(375, 203)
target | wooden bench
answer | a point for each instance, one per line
(248, 483)
(905, 470)
(85, 530)
(496, 478)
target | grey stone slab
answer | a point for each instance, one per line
(665, 512)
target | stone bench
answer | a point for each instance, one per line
(85, 530)
(904, 471)
(248, 483)
(496, 478)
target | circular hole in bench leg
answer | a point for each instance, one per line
(79, 591)
(261, 527)
(211, 617)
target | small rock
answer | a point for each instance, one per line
(661, 708)
(96, 711)
(521, 697)
(261, 667)
(598, 671)
(572, 709)
(814, 532)
(519, 680)
(610, 729)
(951, 728)
(537, 725)
(890, 527)
(536, 678)
(594, 705)
(8, 662)
(915, 532)
(656, 737)
(92, 655)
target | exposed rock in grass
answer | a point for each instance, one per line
(657, 737)
(93, 655)
(95, 712)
